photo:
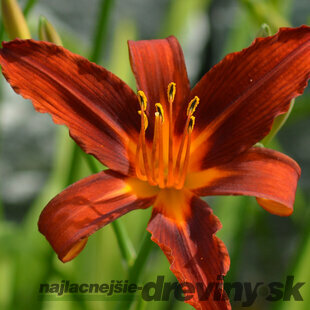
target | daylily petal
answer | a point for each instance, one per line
(241, 96)
(183, 226)
(98, 108)
(266, 174)
(87, 205)
(155, 64)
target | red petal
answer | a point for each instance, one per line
(266, 174)
(156, 63)
(184, 226)
(88, 205)
(99, 109)
(241, 96)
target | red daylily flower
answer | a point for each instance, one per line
(168, 154)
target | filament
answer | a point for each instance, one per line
(164, 171)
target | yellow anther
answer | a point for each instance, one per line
(192, 106)
(191, 124)
(142, 100)
(171, 91)
(160, 110)
(146, 121)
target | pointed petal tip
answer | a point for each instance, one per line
(275, 208)
(268, 175)
(73, 251)
(86, 206)
(155, 64)
(70, 89)
(196, 255)
(254, 85)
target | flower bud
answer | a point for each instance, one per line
(264, 31)
(14, 20)
(47, 32)
(278, 124)
(281, 119)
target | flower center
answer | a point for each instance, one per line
(153, 164)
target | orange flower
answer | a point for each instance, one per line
(182, 144)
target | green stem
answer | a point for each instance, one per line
(100, 33)
(50, 272)
(29, 5)
(124, 243)
(135, 271)
(90, 162)
(239, 238)
(145, 249)
(74, 165)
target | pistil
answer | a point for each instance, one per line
(171, 95)
(157, 149)
(161, 166)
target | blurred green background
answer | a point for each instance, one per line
(38, 159)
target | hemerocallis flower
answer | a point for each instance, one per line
(169, 144)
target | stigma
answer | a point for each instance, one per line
(163, 163)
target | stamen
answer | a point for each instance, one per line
(139, 173)
(160, 110)
(187, 154)
(192, 106)
(171, 91)
(155, 146)
(142, 100)
(144, 123)
(171, 95)
(159, 171)
(180, 153)
(161, 176)
(189, 123)
(158, 162)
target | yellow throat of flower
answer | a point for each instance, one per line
(151, 164)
